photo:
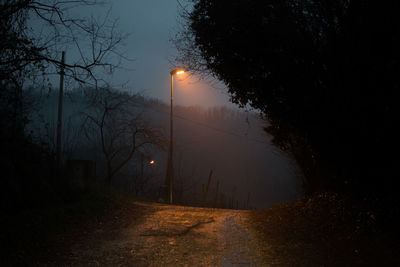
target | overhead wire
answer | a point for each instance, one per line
(274, 150)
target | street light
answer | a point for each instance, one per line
(169, 179)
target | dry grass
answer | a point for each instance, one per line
(324, 231)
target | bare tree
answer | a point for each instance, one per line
(114, 120)
(143, 174)
(35, 51)
(33, 35)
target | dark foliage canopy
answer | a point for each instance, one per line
(325, 74)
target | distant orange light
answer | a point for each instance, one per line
(151, 162)
(180, 72)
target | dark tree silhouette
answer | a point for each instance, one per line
(324, 73)
(24, 48)
(29, 54)
(114, 122)
(33, 35)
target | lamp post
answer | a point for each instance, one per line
(139, 186)
(169, 179)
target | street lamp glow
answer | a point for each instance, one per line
(177, 71)
(151, 162)
(169, 177)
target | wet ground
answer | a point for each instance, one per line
(173, 236)
(313, 232)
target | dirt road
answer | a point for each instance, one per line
(315, 232)
(167, 235)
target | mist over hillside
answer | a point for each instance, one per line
(249, 171)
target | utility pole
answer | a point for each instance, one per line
(171, 144)
(169, 179)
(59, 120)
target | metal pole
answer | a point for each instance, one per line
(171, 145)
(59, 120)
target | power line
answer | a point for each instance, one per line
(210, 126)
(218, 129)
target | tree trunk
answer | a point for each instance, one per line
(109, 173)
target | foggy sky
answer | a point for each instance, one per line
(151, 24)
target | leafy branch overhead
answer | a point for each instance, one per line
(324, 73)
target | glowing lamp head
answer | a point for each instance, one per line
(177, 71)
(151, 162)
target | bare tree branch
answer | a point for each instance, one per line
(121, 130)
(23, 49)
